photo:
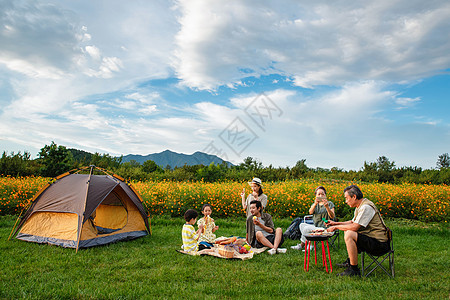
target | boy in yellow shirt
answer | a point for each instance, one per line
(189, 235)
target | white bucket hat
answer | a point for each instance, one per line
(257, 181)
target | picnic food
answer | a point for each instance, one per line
(226, 241)
(320, 231)
(316, 233)
(240, 242)
(206, 224)
(243, 250)
(255, 217)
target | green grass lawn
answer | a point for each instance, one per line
(150, 267)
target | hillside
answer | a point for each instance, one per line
(174, 159)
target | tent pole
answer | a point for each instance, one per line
(9, 237)
(84, 208)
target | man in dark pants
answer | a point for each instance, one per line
(365, 232)
(261, 231)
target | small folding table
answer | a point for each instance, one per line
(316, 238)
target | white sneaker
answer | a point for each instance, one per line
(311, 247)
(297, 247)
(272, 251)
(281, 250)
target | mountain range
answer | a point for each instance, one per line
(174, 159)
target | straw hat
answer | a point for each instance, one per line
(257, 181)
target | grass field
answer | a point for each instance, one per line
(150, 267)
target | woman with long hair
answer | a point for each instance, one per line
(256, 194)
(320, 209)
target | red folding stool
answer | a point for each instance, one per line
(317, 238)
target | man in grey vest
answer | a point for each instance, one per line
(365, 232)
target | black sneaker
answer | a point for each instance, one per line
(350, 272)
(345, 264)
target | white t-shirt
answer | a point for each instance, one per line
(257, 228)
(366, 213)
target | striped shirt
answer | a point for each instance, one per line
(189, 238)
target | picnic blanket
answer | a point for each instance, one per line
(236, 255)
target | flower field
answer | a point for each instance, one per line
(285, 199)
(16, 193)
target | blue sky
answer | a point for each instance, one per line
(336, 83)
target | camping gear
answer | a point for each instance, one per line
(227, 252)
(377, 260)
(214, 251)
(84, 210)
(313, 238)
(293, 231)
(334, 240)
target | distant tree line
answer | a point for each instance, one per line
(54, 160)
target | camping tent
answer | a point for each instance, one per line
(84, 210)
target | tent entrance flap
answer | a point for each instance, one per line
(107, 224)
(111, 215)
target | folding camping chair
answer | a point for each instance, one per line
(377, 260)
(333, 241)
(308, 219)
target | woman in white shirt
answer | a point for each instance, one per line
(320, 209)
(256, 194)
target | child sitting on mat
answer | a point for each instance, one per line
(207, 236)
(189, 235)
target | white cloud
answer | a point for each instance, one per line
(110, 65)
(83, 46)
(148, 110)
(57, 54)
(316, 43)
(31, 69)
(216, 116)
(93, 51)
(39, 35)
(148, 98)
(404, 102)
(124, 105)
(135, 103)
(107, 69)
(343, 128)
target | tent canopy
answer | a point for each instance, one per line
(84, 210)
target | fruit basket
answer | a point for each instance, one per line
(227, 252)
